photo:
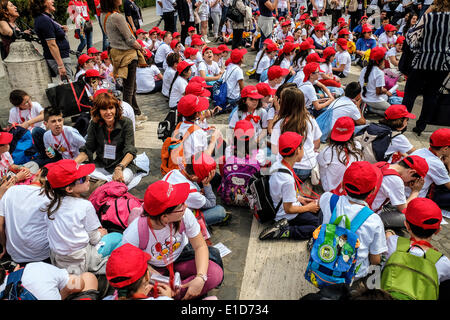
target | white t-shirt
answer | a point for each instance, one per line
(59, 143)
(216, 8)
(26, 229)
(167, 81)
(43, 280)
(258, 55)
(179, 241)
(384, 39)
(162, 52)
(344, 58)
(128, 112)
(282, 188)
(263, 64)
(437, 172)
(399, 143)
(298, 78)
(392, 188)
(309, 92)
(195, 200)
(178, 89)
(319, 4)
(195, 142)
(194, 70)
(258, 126)
(376, 80)
(20, 116)
(370, 233)
(286, 64)
(344, 107)
(79, 74)
(442, 265)
(327, 69)
(145, 79)
(71, 224)
(210, 69)
(331, 168)
(314, 133)
(232, 75)
(6, 161)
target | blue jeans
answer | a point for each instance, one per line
(303, 174)
(84, 40)
(105, 43)
(214, 215)
(37, 135)
(303, 225)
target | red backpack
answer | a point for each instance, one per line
(113, 204)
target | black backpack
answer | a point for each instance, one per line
(375, 139)
(167, 126)
(259, 198)
(234, 14)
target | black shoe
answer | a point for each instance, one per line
(274, 231)
(119, 84)
(417, 131)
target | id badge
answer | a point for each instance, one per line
(109, 152)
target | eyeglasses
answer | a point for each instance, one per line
(183, 208)
(82, 180)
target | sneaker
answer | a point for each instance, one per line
(275, 231)
(205, 39)
(138, 126)
(225, 220)
(141, 117)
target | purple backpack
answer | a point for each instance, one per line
(236, 174)
(113, 204)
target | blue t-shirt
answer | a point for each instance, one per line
(365, 44)
(379, 31)
(263, 9)
(357, 29)
(48, 29)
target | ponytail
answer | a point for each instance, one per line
(370, 66)
(279, 59)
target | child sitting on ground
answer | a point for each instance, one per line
(7, 166)
(26, 113)
(149, 79)
(85, 62)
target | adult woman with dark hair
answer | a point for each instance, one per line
(8, 27)
(429, 43)
(53, 38)
(293, 116)
(125, 51)
(111, 137)
(175, 242)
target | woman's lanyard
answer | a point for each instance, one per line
(299, 182)
(59, 146)
(158, 248)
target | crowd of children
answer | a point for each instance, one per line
(302, 122)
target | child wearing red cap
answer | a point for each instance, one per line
(163, 49)
(296, 216)
(85, 62)
(359, 181)
(284, 60)
(284, 32)
(179, 83)
(73, 226)
(169, 232)
(106, 68)
(423, 219)
(234, 77)
(188, 40)
(437, 180)
(388, 38)
(365, 43)
(266, 59)
(209, 69)
(149, 79)
(200, 169)
(320, 39)
(343, 59)
(169, 74)
(393, 55)
(275, 76)
(341, 151)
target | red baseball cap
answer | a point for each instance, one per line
(250, 92)
(378, 53)
(153, 30)
(289, 142)
(174, 43)
(202, 164)
(189, 51)
(440, 138)
(5, 137)
(176, 34)
(343, 129)
(139, 31)
(310, 68)
(276, 72)
(100, 91)
(200, 80)
(265, 90)
(366, 28)
(126, 265)
(104, 55)
(343, 24)
(289, 47)
(64, 172)
(92, 73)
(206, 49)
(397, 111)
(302, 8)
(244, 130)
(190, 104)
(306, 45)
(360, 177)
(308, 21)
(190, 29)
(289, 39)
(417, 163)
(400, 39)
(343, 32)
(223, 47)
(93, 50)
(197, 42)
(162, 195)
(423, 213)
(320, 27)
(197, 89)
(364, 17)
(271, 47)
(196, 36)
(328, 51)
(314, 57)
(182, 66)
(237, 55)
(216, 50)
(84, 58)
(342, 43)
(304, 16)
(390, 27)
(340, 20)
(286, 24)
(148, 54)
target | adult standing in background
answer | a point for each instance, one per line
(124, 51)
(430, 63)
(55, 46)
(98, 11)
(216, 14)
(133, 15)
(8, 27)
(168, 9)
(265, 21)
(225, 5)
(83, 26)
(238, 27)
(186, 16)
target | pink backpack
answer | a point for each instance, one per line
(113, 204)
(144, 233)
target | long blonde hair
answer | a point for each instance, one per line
(440, 6)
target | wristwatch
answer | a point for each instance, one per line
(203, 276)
(121, 166)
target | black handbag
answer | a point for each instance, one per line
(87, 27)
(405, 62)
(71, 98)
(234, 14)
(441, 112)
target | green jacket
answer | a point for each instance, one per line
(122, 136)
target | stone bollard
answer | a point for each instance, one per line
(26, 69)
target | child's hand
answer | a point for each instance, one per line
(23, 174)
(165, 290)
(304, 200)
(50, 155)
(417, 184)
(312, 207)
(25, 124)
(6, 184)
(208, 179)
(103, 231)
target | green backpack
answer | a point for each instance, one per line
(409, 277)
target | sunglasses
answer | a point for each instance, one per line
(81, 180)
(416, 175)
(183, 208)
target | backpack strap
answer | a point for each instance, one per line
(360, 218)
(281, 201)
(143, 232)
(404, 244)
(333, 201)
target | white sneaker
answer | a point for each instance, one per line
(141, 117)
(138, 126)
(205, 39)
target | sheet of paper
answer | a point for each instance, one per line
(223, 249)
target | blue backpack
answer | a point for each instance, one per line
(22, 148)
(324, 121)
(14, 289)
(220, 91)
(263, 76)
(334, 252)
